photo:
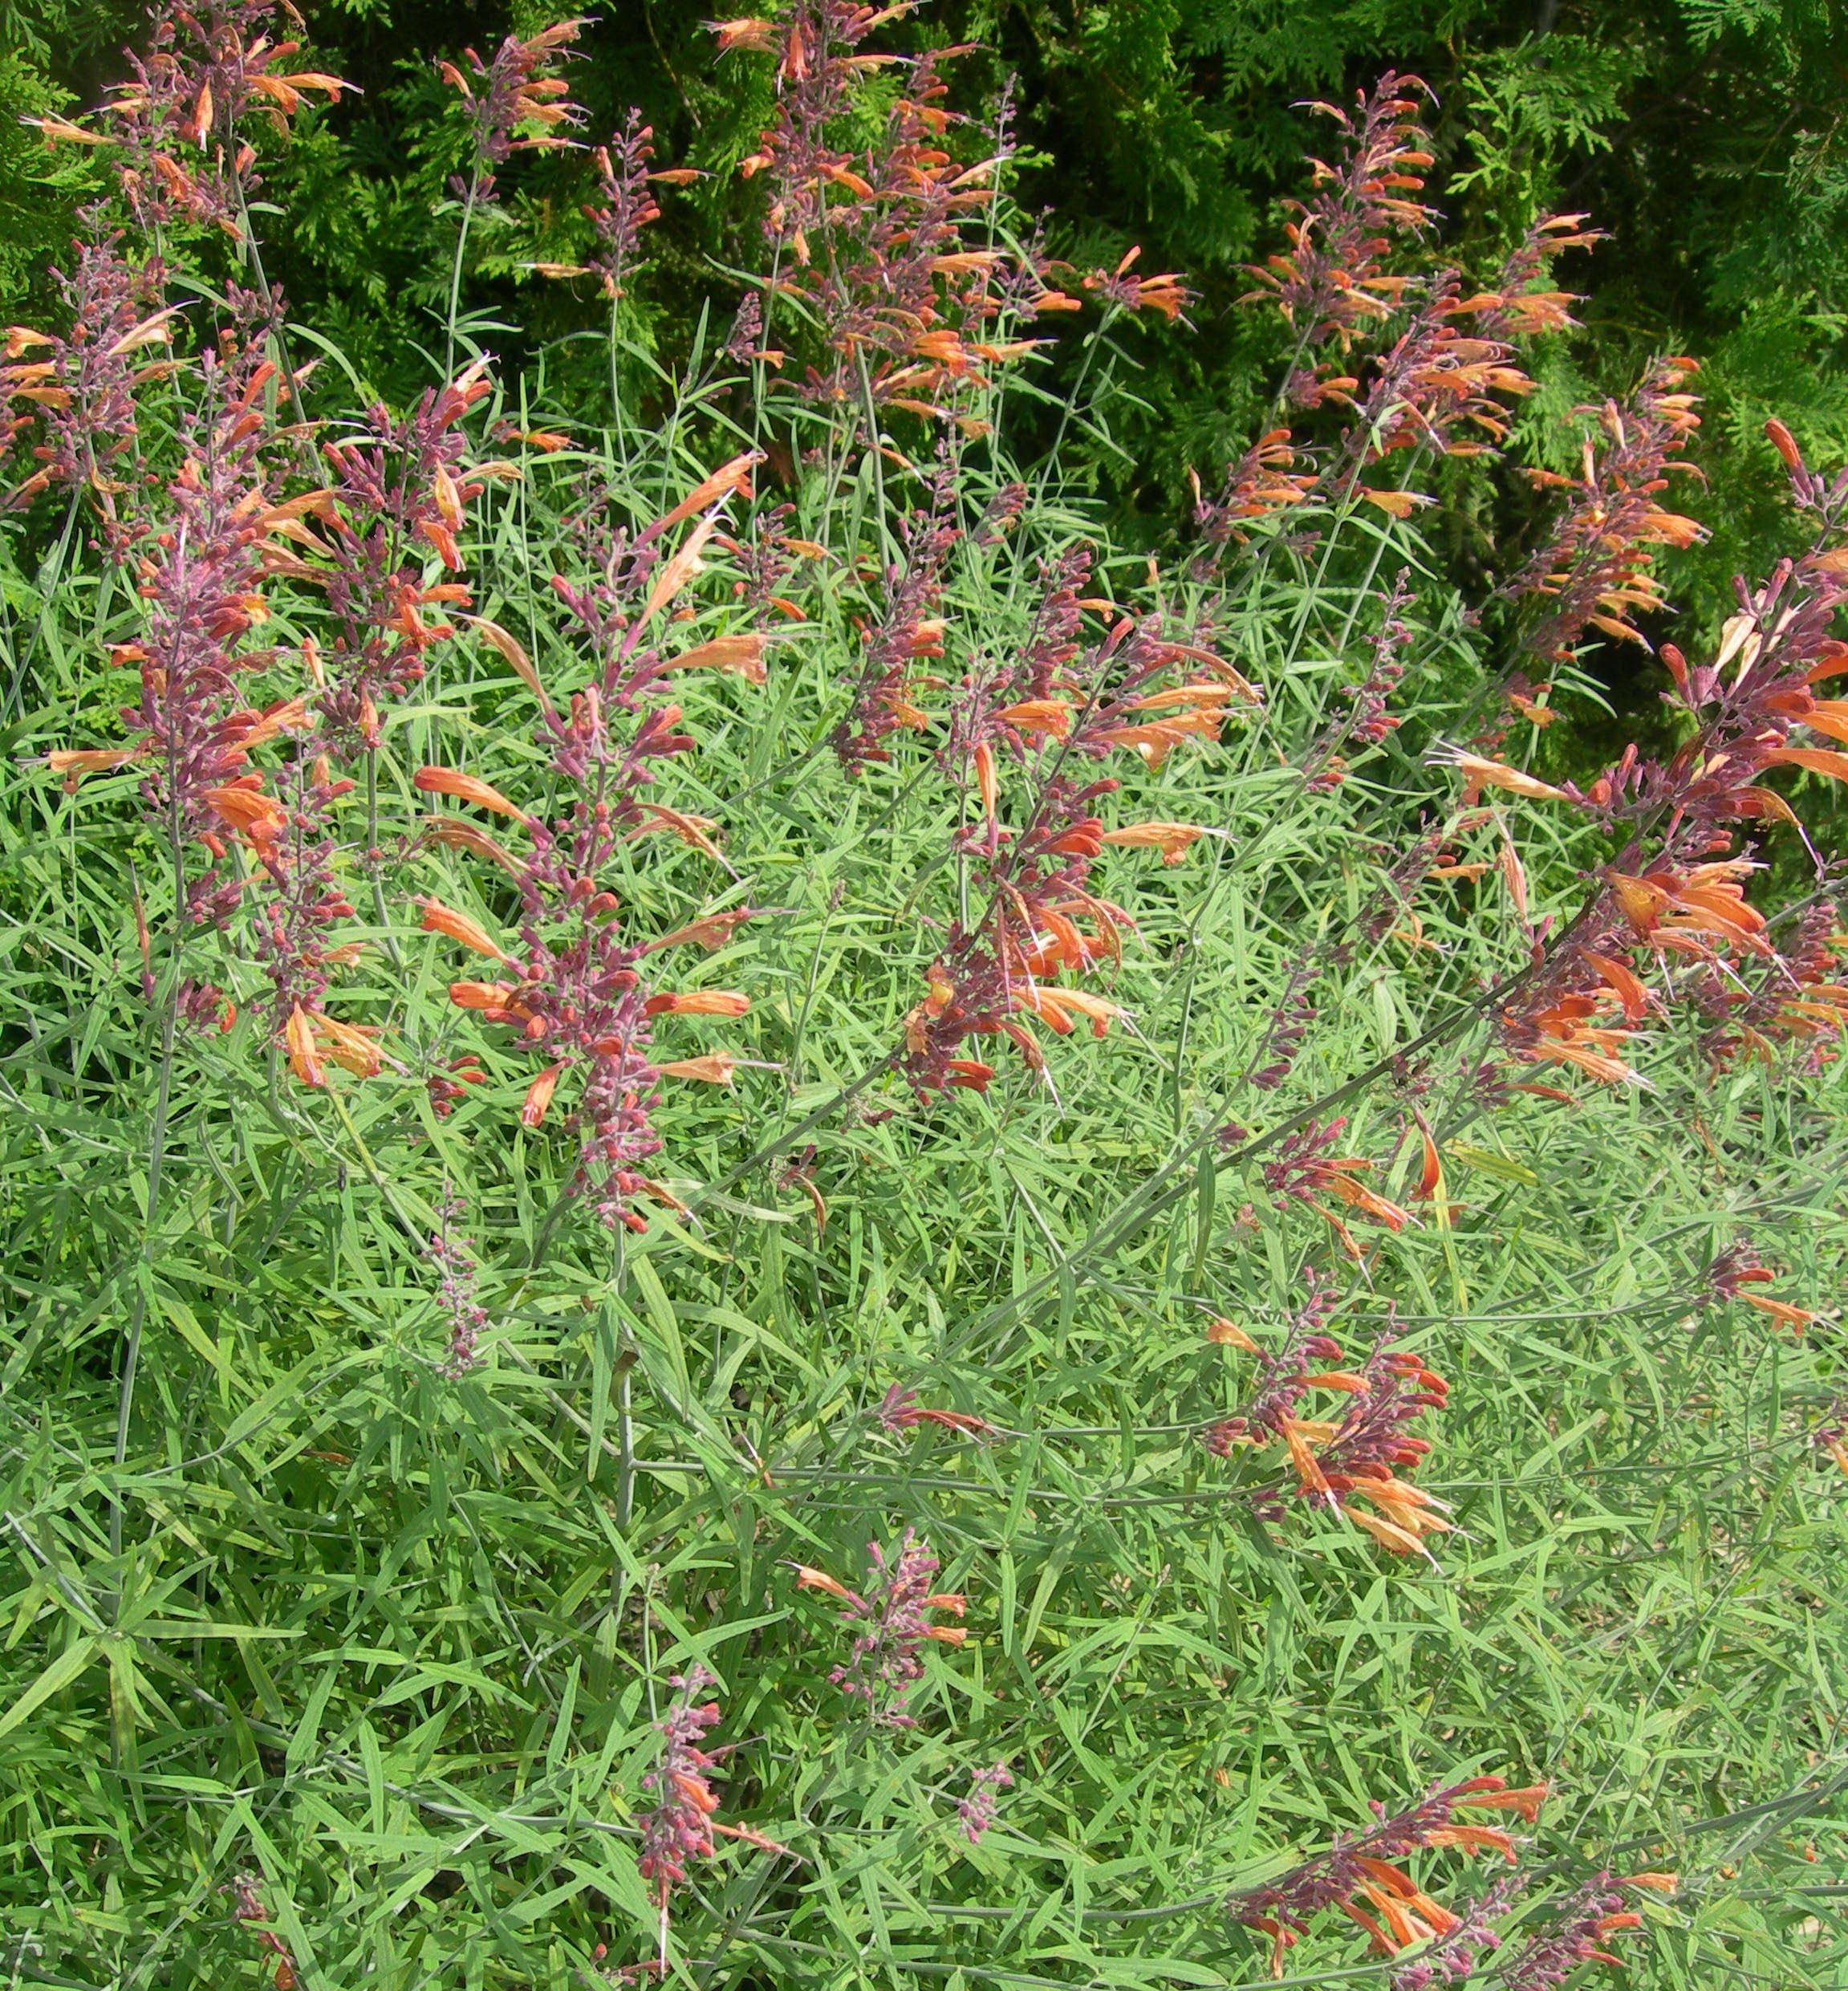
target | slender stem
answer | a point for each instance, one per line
(456, 273)
(157, 1147)
(254, 256)
(625, 1408)
(372, 858)
(1071, 400)
(873, 443)
(625, 1453)
(619, 428)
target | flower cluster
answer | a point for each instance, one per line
(678, 1826)
(1737, 1273)
(85, 386)
(1367, 719)
(627, 206)
(1331, 283)
(1793, 996)
(1443, 384)
(177, 119)
(1578, 1930)
(976, 1811)
(199, 571)
(1676, 889)
(249, 1911)
(458, 1292)
(517, 102)
(1121, 288)
(576, 992)
(1594, 568)
(907, 631)
(1041, 916)
(1437, 386)
(1290, 1024)
(1452, 1956)
(682, 1824)
(305, 900)
(1303, 1170)
(1338, 1461)
(871, 244)
(1264, 480)
(398, 492)
(1362, 1873)
(884, 1664)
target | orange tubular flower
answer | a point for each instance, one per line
(1564, 1034)
(74, 763)
(711, 933)
(1366, 1866)
(453, 834)
(1223, 1333)
(700, 1002)
(439, 918)
(445, 781)
(808, 1578)
(1049, 716)
(1337, 1178)
(347, 1046)
(1174, 840)
(716, 1068)
(901, 1410)
(1478, 774)
(741, 654)
(299, 1039)
(1525, 1801)
(497, 1000)
(1056, 1006)
(259, 817)
(539, 1095)
(1297, 1434)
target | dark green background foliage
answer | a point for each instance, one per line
(1708, 136)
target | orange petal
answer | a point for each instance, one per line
(700, 1002)
(539, 1095)
(446, 781)
(439, 918)
(742, 655)
(300, 1040)
(716, 1068)
(1223, 1333)
(807, 1579)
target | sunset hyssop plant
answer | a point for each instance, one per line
(770, 1222)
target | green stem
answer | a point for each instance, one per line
(156, 1157)
(253, 256)
(455, 274)
(372, 858)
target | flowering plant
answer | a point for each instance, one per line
(644, 1024)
